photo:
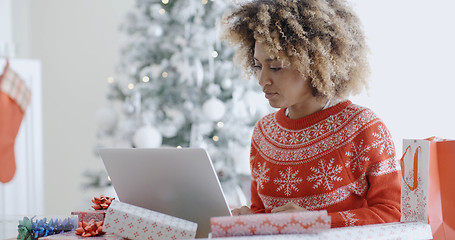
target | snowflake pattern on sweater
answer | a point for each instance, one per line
(325, 174)
(359, 155)
(349, 218)
(260, 174)
(288, 181)
(337, 159)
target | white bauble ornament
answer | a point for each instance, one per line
(226, 83)
(106, 117)
(169, 130)
(155, 30)
(213, 89)
(214, 109)
(188, 105)
(147, 137)
(128, 108)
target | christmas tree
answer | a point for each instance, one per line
(177, 86)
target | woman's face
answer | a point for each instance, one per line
(283, 86)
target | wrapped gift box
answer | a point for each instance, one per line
(411, 230)
(72, 235)
(269, 224)
(133, 222)
(385, 231)
(86, 216)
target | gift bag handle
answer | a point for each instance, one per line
(416, 158)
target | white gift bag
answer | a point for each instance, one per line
(427, 192)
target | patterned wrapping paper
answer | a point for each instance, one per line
(133, 222)
(411, 230)
(72, 235)
(86, 216)
(269, 224)
(386, 231)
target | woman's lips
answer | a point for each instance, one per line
(270, 95)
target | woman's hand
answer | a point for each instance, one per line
(289, 207)
(244, 210)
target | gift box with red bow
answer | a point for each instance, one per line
(134, 222)
(269, 224)
(86, 216)
(71, 235)
(100, 205)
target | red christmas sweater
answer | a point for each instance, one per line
(341, 159)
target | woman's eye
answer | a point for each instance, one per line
(275, 69)
(256, 67)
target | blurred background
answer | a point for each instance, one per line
(82, 56)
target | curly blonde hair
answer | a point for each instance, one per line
(322, 39)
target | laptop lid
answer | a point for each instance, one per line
(180, 182)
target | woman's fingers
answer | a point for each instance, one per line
(288, 207)
(244, 210)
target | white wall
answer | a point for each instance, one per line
(6, 33)
(20, 16)
(411, 41)
(5, 21)
(412, 46)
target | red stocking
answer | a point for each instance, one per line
(14, 99)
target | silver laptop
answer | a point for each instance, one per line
(180, 182)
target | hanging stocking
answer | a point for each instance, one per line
(14, 99)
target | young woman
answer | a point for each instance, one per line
(319, 150)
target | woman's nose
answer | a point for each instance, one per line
(263, 78)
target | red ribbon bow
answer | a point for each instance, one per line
(89, 229)
(102, 202)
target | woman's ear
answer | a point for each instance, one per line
(314, 90)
